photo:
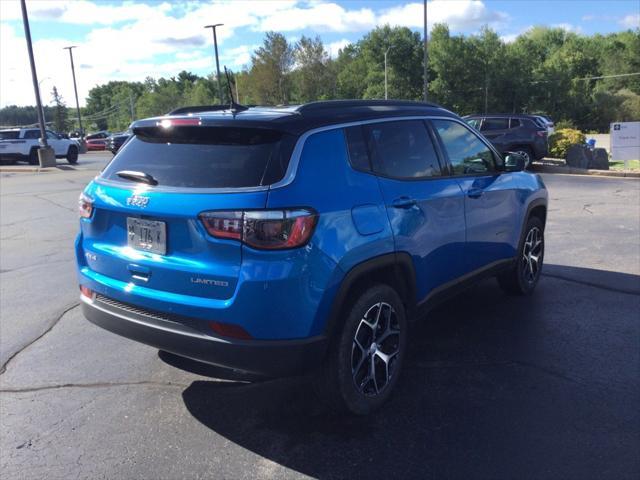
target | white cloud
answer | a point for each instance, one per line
(318, 16)
(334, 47)
(631, 21)
(463, 15)
(568, 27)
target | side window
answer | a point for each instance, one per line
(402, 149)
(51, 135)
(31, 134)
(495, 124)
(467, 153)
(474, 122)
(358, 154)
(515, 123)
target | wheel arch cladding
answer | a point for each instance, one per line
(393, 269)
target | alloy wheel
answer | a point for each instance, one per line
(375, 349)
(532, 255)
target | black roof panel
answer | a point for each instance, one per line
(298, 119)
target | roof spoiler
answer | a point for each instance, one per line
(198, 109)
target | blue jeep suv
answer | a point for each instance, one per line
(299, 239)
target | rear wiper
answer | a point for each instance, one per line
(137, 177)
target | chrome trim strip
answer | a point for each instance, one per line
(93, 304)
(292, 168)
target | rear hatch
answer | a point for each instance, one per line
(144, 226)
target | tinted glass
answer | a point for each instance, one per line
(32, 134)
(358, 154)
(515, 123)
(467, 154)
(402, 149)
(205, 157)
(495, 124)
(9, 134)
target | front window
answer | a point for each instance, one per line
(467, 154)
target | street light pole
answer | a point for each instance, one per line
(386, 91)
(215, 46)
(426, 57)
(34, 75)
(75, 88)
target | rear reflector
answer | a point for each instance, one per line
(86, 292)
(262, 229)
(229, 330)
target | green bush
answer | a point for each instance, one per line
(562, 139)
(563, 124)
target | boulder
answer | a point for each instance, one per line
(579, 156)
(599, 159)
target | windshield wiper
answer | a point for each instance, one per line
(137, 177)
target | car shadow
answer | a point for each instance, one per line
(488, 391)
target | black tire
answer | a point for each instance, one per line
(342, 382)
(72, 155)
(527, 153)
(523, 276)
(33, 157)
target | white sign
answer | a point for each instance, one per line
(625, 141)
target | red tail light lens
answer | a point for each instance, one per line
(85, 206)
(263, 229)
(541, 133)
(86, 291)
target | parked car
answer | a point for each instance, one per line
(98, 135)
(115, 141)
(23, 143)
(546, 122)
(284, 240)
(523, 134)
(96, 144)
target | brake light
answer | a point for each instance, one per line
(263, 229)
(178, 122)
(85, 206)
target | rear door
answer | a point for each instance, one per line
(491, 198)
(151, 235)
(425, 207)
(59, 146)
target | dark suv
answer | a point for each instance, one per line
(284, 240)
(513, 133)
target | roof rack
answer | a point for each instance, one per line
(322, 105)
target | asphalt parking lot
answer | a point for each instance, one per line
(542, 387)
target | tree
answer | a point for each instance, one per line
(311, 76)
(60, 122)
(270, 68)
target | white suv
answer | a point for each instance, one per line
(23, 144)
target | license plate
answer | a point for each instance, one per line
(147, 235)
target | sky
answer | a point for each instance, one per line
(130, 40)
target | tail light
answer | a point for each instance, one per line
(86, 291)
(263, 229)
(85, 206)
(541, 133)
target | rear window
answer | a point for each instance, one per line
(205, 157)
(495, 124)
(9, 135)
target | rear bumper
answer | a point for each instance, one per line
(263, 357)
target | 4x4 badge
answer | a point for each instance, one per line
(138, 201)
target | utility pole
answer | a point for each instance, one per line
(426, 57)
(75, 88)
(215, 46)
(386, 91)
(46, 155)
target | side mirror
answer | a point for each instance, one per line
(514, 162)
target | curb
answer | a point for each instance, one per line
(584, 171)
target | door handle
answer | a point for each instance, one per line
(475, 192)
(404, 202)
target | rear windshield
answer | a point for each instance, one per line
(9, 134)
(205, 157)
